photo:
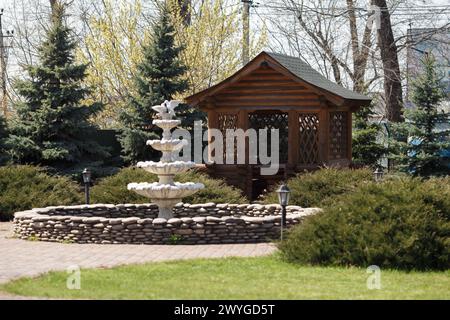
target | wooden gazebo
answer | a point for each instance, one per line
(313, 114)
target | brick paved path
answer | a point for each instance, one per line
(19, 258)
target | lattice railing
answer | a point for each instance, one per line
(338, 135)
(308, 138)
(273, 120)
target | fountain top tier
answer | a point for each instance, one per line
(167, 145)
(166, 193)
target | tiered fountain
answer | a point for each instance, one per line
(166, 193)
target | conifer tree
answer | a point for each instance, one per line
(366, 151)
(52, 123)
(3, 136)
(421, 142)
(159, 77)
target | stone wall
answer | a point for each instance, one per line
(138, 223)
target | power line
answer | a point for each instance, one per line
(336, 16)
(303, 8)
(281, 6)
(289, 11)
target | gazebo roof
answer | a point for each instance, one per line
(303, 71)
(294, 67)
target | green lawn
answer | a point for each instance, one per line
(234, 278)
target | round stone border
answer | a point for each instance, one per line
(207, 223)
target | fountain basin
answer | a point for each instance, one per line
(207, 223)
(166, 124)
(166, 168)
(156, 190)
(167, 145)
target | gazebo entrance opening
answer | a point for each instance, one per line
(269, 119)
(272, 119)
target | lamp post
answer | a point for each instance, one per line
(87, 182)
(283, 198)
(378, 174)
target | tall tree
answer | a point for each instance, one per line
(52, 120)
(116, 31)
(159, 77)
(389, 57)
(211, 42)
(428, 139)
(316, 36)
(113, 49)
(360, 52)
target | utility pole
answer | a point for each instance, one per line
(246, 30)
(185, 11)
(408, 57)
(3, 56)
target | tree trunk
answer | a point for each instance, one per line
(389, 57)
(360, 53)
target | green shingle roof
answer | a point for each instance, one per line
(303, 71)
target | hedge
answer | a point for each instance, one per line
(315, 189)
(401, 223)
(25, 187)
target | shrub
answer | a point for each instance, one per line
(314, 189)
(401, 223)
(114, 189)
(26, 187)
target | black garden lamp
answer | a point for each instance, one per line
(283, 198)
(87, 181)
(378, 174)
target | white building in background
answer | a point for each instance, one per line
(426, 41)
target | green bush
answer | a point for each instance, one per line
(26, 187)
(401, 223)
(114, 189)
(315, 189)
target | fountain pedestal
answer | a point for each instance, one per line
(166, 193)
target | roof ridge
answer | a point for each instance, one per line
(285, 55)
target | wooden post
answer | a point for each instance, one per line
(247, 168)
(324, 132)
(243, 119)
(349, 136)
(293, 140)
(213, 123)
(242, 123)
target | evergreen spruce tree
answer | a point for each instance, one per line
(52, 120)
(159, 77)
(366, 151)
(3, 136)
(422, 139)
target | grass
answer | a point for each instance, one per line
(234, 278)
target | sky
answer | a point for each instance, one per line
(258, 19)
